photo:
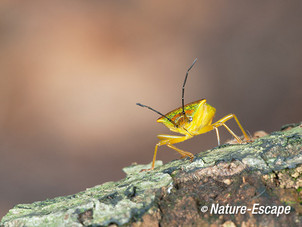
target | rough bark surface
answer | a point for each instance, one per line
(267, 171)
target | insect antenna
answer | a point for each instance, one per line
(183, 88)
(141, 105)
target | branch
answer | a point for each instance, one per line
(267, 171)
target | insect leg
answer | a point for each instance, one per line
(217, 134)
(154, 156)
(181, 152)
(228, 117)
(169, 140)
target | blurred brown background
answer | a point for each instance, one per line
(72, 72)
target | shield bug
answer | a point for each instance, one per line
(191, 120)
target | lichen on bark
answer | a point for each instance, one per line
(266, 171)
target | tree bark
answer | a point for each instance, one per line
(213, 190)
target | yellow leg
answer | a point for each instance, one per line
(230, 131)
(226, 118)
(181, 152)
(169, 140)
(217, 134)
(154, 156)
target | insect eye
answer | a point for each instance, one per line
(190, 118)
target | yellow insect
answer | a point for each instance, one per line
(191, 120)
